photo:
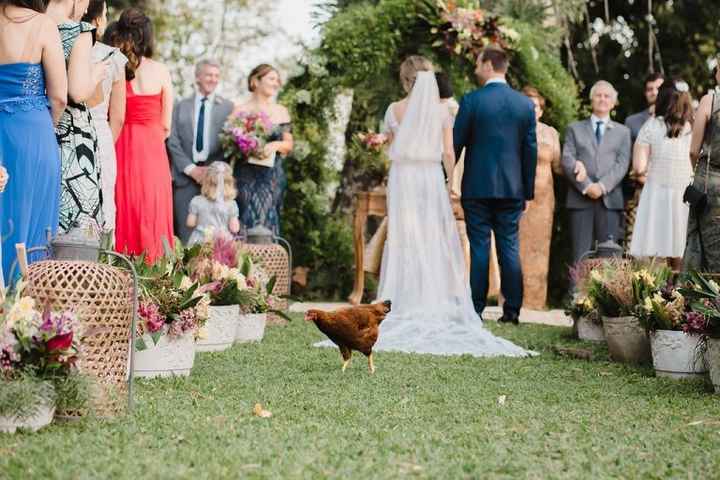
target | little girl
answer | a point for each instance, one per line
(215, 208)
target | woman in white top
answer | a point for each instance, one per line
(107, 107)
(661, 157)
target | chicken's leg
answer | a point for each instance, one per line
(371, 365)
(347, 356)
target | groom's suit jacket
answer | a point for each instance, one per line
(180, 149)
(496, 126)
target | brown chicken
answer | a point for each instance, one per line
(353, 328)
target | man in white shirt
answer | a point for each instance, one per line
(596, 156)
(194, 140)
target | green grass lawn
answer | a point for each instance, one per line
(419, 415)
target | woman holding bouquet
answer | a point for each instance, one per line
(143, 192)
(261, 182)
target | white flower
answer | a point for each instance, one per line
(202, 333)
(509, 33)
(22, 312)
(186, 283)
(239, 278)
(303, 96)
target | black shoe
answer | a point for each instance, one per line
(514, 319)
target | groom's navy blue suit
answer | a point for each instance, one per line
(496, 127)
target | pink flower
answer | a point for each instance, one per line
(150, 313)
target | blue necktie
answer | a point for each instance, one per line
(598, 131)
(200, 138)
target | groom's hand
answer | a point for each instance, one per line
(594, 191)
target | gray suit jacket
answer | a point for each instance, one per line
(607, 163)
(180, 142)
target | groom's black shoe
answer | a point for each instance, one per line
(507, 318)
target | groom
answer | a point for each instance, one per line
(496, 127)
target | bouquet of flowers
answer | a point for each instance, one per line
(582, 305)
(39, 349)
(170, 302)
(218, 265)
(244, 137)
(367, 153)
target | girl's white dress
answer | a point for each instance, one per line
(211, 216)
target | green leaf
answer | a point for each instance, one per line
(140, 344)
(156, 336)
(271, 284)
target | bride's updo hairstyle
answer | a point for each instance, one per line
(410, 68)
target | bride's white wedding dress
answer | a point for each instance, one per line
(423, 268)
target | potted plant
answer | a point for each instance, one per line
(253, 315)
(216, 265)
(676, 348)
(587, 323)
(171, 312)
(38, 353)
(703, 298)
(610, 288)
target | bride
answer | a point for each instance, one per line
(423, 268)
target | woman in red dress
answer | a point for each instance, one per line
(143, 191)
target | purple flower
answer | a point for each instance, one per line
(695, 322)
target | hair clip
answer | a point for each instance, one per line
(682, 87)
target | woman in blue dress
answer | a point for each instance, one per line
(33, 93)
(261, 189)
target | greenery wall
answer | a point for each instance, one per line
(363, 44)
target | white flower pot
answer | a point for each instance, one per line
(220, 327)
(168, 358)
(250, 327)
(676, 355)
(712, 359)
(589, 330)
(627, 340)
(41, 419)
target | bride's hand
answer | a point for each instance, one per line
(270, 149)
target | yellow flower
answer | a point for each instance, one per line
(22, 312)
(595, 276)
(714, 285)
(202, 333)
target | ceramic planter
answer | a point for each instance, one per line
(42, 418)
(589, 330)
(220, 327)
(250, 327)
(170, 357)
(712, 359)
(627, 340)
(676, 355)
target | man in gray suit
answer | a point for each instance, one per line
(194, 140)
(595, 159)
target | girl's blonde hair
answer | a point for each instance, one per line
(210, 183)
(410, 68)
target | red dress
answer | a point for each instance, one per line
(143, 192)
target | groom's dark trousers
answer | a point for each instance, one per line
(496, 127)
(502, 216)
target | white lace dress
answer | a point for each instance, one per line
(662, 216)
(423, 267)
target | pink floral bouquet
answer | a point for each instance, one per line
(46, 341)
(244, 137)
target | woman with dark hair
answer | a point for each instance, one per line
(33, 94)
(261, 188)
(80, 195)
(143, 191)
(107, 107)
(661, 158)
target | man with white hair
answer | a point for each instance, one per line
(194, 140)
(596, 157)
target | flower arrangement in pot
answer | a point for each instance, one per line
(663, 311)
(587, 323)
(610, 287)
(171, 313)
(253, 315)
(217, 264)
(702, 296)
(38, 355)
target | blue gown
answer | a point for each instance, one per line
(29, 151)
